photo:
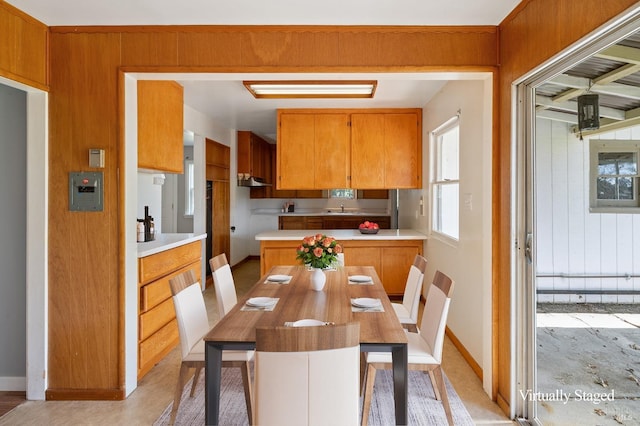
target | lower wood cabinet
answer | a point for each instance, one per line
(330, 222)
(390, 258)
(157, 327)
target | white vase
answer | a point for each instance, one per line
(318, 278)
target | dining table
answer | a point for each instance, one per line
(286, 296)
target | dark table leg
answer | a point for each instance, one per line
(399, 356)
(212, 373)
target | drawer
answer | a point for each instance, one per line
(158, 291)
(155, 347)
(156, 318)
(159, 264)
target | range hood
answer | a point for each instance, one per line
(252, 182)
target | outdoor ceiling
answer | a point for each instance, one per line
(613, 73)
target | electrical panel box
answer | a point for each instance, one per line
(86, 191)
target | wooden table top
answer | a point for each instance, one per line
(298, 301)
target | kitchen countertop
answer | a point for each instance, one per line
(342, 234)
(167, 241)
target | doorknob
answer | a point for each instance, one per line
(233, 229)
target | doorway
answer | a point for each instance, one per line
(566, 328)
(218, 201)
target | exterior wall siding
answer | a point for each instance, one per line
(570, 239)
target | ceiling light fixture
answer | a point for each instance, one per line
(312, 89)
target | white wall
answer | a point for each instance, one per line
(569, 239)
(467, 262)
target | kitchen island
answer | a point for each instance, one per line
(158, 261)
(390, 251)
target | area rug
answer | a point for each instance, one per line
(423, 408)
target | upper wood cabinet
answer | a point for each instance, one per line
(160, 126)
(254, 156)
(386, 150)
(312, 150)
(375, 149)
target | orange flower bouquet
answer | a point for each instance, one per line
(319, 251)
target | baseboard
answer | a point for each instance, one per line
(245, 260)
(503, 404)
(18, 384)
(465, 353)
(85, 395)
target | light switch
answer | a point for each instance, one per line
(96, 158)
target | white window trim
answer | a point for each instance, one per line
(443, 128)
(602, 145)
(189, 190)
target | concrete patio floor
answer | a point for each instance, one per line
(588, 364)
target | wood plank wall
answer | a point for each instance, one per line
(85, 335)
(534, 32)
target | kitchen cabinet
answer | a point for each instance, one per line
(157, 327)
(390, 258)
(330, 222)
(160, 126)
(378, 148)
(312, 149)
(386, 150)
(254, 156)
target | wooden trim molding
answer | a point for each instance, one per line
(464, 352)
(85, 394)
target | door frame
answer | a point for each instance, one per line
(523, 287)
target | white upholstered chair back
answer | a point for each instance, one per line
(307, 375)
(413, 287)
(191, 315)
(223, 283)
(436, 310)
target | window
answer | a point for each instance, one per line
(614, 173)
(445, 183)
(342, 193)
(189, 188)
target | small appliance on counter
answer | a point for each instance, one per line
(146, 229)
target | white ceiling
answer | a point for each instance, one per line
(223, 97)
(274, 12)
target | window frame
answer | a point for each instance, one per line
(597, 146)
(436, 183)
(189, 188)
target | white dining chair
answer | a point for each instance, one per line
(424, 347)
(193, 324)
(223, 283)
(307, 375)
(407, 311)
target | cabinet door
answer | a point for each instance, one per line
(367, 151)
(364, 256)
(396, 262)
(296, 151)
(402, 151)
(331, 159)
(160, 126)
(292, 222)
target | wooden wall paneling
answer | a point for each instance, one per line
(153, 48)
(83, 258)
(527, 37)
(23, 47)
(215, 48)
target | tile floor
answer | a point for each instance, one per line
(155, 390)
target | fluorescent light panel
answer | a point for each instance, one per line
(311, 89)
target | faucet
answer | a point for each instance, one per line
(342, 207)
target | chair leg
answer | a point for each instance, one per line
(368, 393)
(443, 392)
(434, 385)
(363, 369)
(196, 375)
(248, 392)
(179, 388)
